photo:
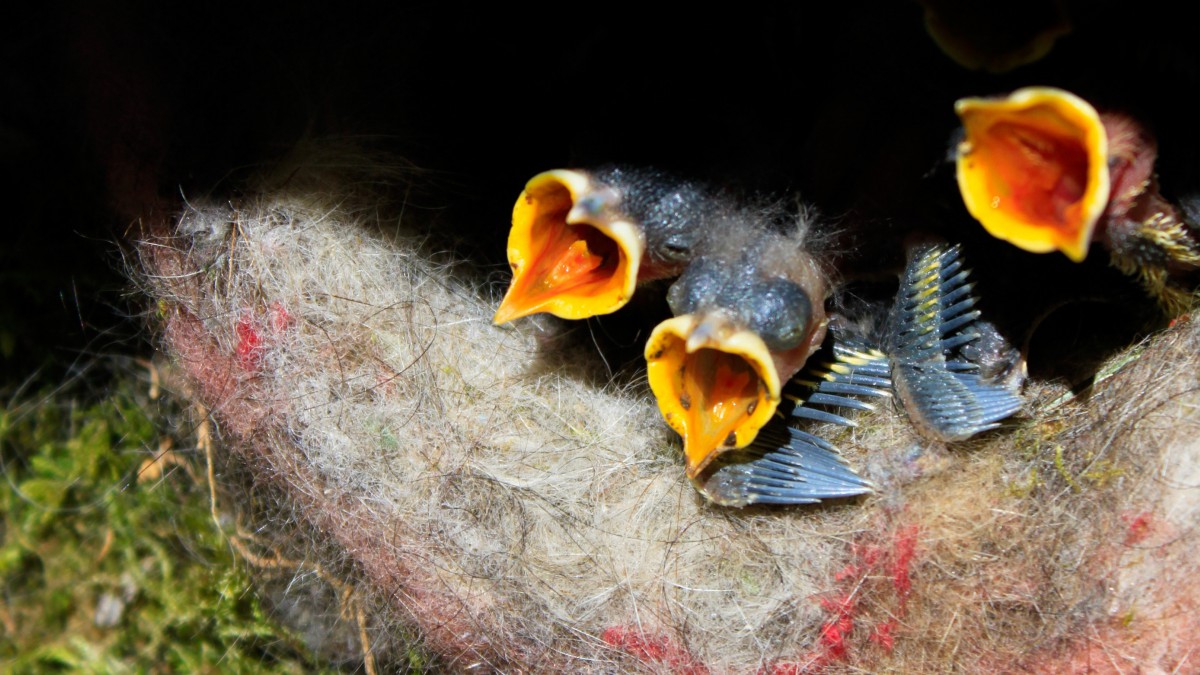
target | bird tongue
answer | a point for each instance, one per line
(570, 260)
(721, 391)
(574, 268)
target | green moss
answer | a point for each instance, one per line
(1024, 489)
(110, 563)
(1061, 465)
(1103, 473)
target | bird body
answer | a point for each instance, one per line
(951, 372)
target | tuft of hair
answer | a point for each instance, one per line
(522, 512)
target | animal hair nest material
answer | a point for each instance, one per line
(526, 517)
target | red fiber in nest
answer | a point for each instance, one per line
(249, 345)
(1138, 527)
(902, 554)
(251, 340)
(889, 557)
(883, 635)
(653, 648)
(835, 631)
(850, 571)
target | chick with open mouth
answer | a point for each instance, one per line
(581, 241)
(749, 311)
(1044, 170)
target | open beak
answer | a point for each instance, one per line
(1033, 168)
(716, 384)
(573, 253)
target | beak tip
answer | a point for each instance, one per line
(1076, 252)
(507, 312)
(694, 468)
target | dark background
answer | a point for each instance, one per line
(108, 115)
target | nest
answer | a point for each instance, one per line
(525, 511)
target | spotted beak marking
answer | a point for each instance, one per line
(1033, 168)
(573, 253)
(716, 384)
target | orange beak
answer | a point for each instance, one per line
(1033, 169)
(572, 253)
(716, 384)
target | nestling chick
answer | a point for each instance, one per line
(582, 240)
(1045, 171)
(749, 311)
(1033, 168)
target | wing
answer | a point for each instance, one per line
(786, 465)
(934, 316)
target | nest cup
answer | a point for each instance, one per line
(526, 518)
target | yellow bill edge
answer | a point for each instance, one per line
(716, 384)
(1033, 168)
(572, 252)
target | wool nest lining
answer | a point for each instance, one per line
(527, 513)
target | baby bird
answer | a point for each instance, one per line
(952, 372)
(1045, 171)
(1033, 168)
(582, 240)
(749, 311)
